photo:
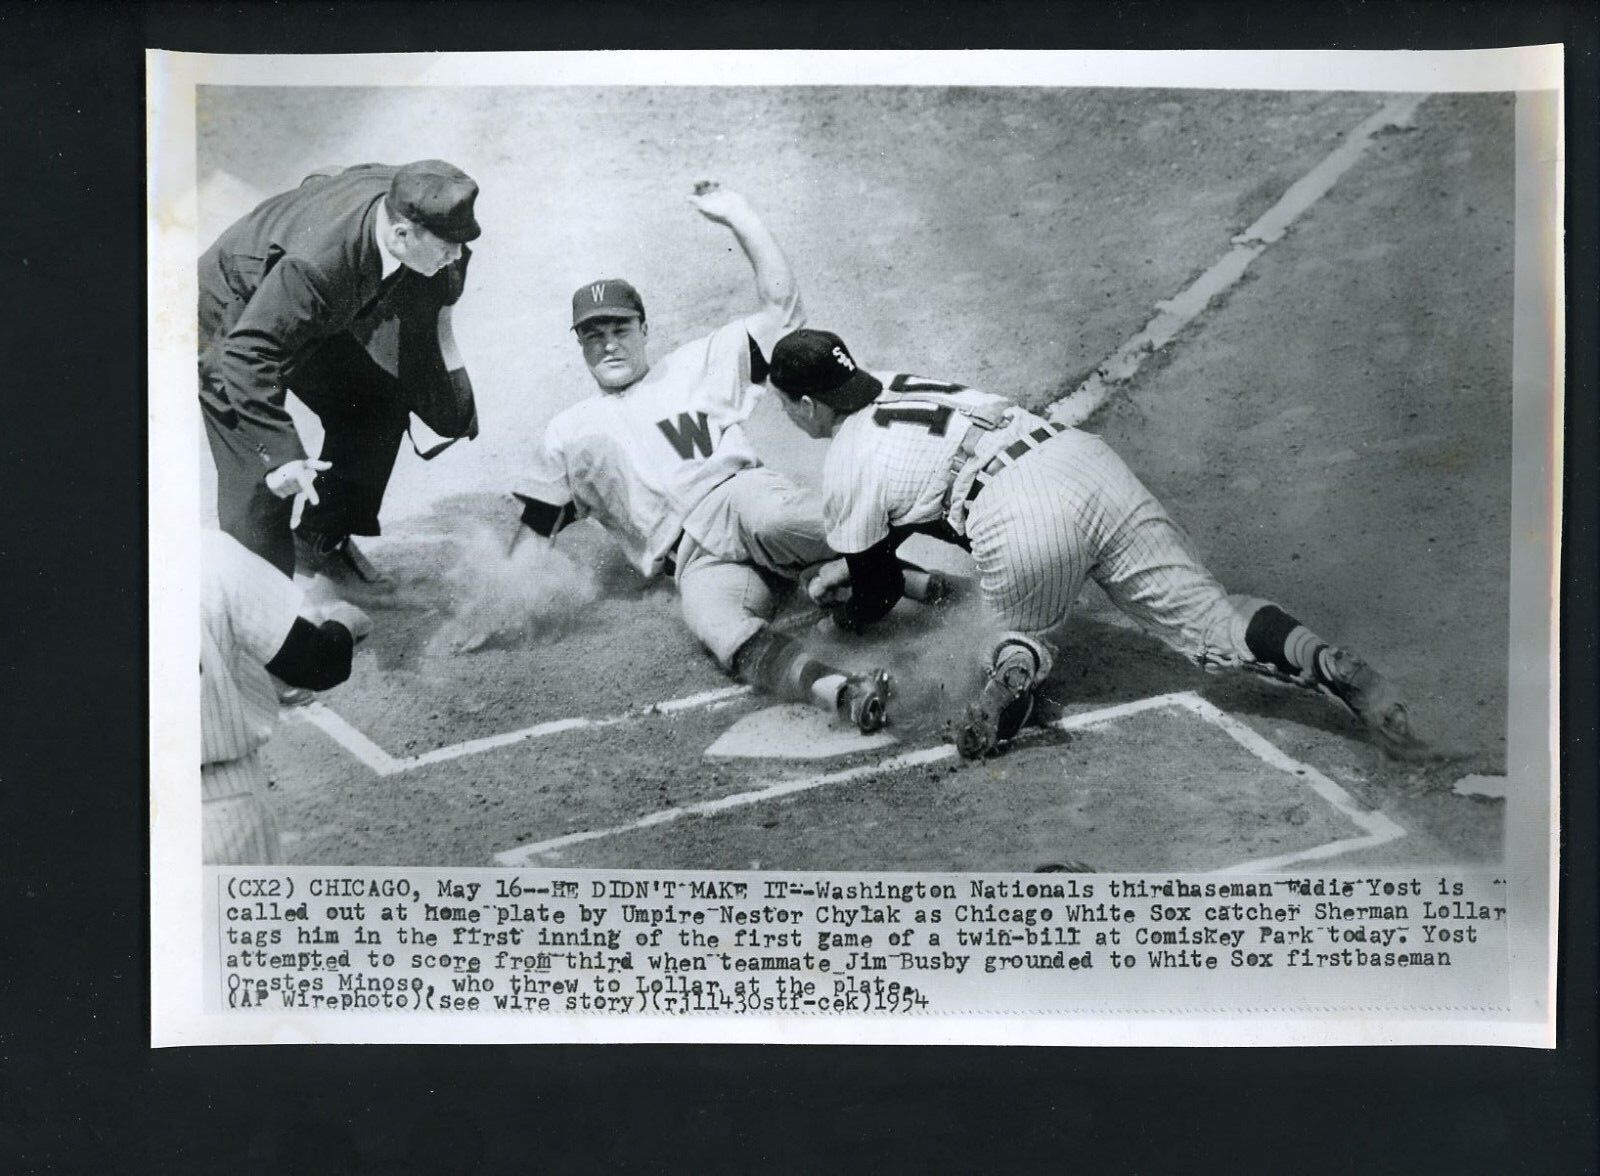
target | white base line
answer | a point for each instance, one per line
(1378, 828)
(522, 855)
(384, 764)
(1172, 316)
(347, 737)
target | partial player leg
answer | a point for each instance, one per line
(778, 665)
(1033, 548)
(728, 606)
(1276, 643)
(237, 824)
(768, 519)
(364, 419)
(1150, 570)
(1018, 665)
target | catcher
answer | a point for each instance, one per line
(660, 458)
(1040, 506)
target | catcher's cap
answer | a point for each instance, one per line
(818, 364)
(438, 196)
(606, 298)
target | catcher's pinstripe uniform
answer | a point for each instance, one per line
(247, 608)
(1038, 528)
(1041, 507)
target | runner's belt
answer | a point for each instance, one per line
(1010, 454)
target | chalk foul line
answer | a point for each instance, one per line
(1179, 311)
(1376, 828)
(380, 761)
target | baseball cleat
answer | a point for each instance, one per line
(339, 559)
(864, 700)
(1002, 708)
(1368, 695)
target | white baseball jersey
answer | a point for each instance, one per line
(642, 459)
(890, 464)
(1066, 509)
(247, 608)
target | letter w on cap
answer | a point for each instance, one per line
(597, 291)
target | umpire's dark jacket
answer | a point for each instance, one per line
(292, 296)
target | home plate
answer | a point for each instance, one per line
(793, 731)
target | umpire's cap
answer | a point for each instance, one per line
(818, 364)
(438, 196)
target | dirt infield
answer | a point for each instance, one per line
(1334, 433)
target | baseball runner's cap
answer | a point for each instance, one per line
(818, 364)
(439, 197)
(606, 298)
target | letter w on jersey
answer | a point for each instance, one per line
(688, 434)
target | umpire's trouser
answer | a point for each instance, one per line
(363, 417)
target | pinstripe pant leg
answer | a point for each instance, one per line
(1032, 546)
(238, 826)
(1150, 569)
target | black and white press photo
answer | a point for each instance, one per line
(598, 480)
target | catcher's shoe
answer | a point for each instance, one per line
(1002, 708)
(339, 559)
(864, 700)
(1369, 696)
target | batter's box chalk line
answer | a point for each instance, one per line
(380, 761)
(1376, 829)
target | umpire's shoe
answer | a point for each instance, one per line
(339, 559)
(1369, 696)
(864, 700)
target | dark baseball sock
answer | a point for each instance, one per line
(1276, 638)
(780, 666)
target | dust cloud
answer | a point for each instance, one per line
(532, 595)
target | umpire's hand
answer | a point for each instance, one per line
(298, 478)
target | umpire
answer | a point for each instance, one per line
(340, 292)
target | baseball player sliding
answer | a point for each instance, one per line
(660, 458)
(1040, 506)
